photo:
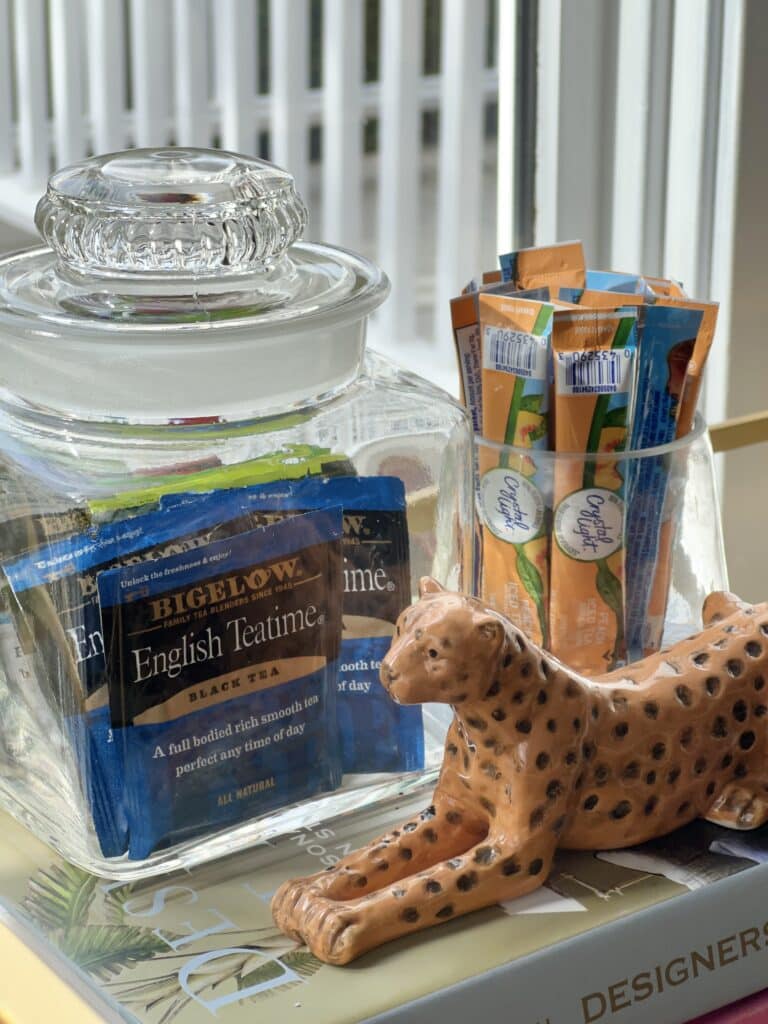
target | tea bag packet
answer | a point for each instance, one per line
(555, 265)
(594, 370)
(222, 665)
(512, 496)
(55, 596)
(676, 337)
(292, 461)
(31, 516)
(376, 734)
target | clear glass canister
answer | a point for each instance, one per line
(213, 505)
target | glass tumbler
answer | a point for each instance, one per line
(603, 558)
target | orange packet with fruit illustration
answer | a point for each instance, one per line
(561, 264)
(515, 333)
(594, 355)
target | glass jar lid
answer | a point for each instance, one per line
(176, 238)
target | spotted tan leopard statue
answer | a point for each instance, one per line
(539, 757)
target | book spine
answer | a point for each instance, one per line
(666, 964)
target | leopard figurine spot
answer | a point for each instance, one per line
(540, 757)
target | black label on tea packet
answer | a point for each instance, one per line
(200, 644)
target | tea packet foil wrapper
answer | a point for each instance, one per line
(594, 369)
(513, 498)
(376, 734)
(55, 603)
(222, 665)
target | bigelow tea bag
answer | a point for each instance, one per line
(222, 666)
(594, 362)
(54, 597)
(375, 733)
(554, 265)
(515, 336)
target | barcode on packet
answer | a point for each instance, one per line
(516, 352)
(593, 373)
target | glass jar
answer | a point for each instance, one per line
(172, 354)
(614, 552)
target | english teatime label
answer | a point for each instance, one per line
(589, 524)
(513, 508)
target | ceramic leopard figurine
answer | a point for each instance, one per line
(539, 757)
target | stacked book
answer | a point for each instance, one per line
(659, 933)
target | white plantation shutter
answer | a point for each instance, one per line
(611, 120)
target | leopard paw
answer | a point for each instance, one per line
(287, 905)
(331, 931)
(739, 807)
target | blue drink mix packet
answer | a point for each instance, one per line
(668, 335)
(54, 598)
(376, 734)
(222, 665)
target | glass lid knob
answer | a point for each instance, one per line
(189, 212)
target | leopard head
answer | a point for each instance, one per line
(446, 649)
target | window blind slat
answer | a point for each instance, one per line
(342, 121)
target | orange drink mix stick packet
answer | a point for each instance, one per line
(561, 264)
(515, 333)
(466, 336)
(593, 298)
(664, 287)
(594, 368)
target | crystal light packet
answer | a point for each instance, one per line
(222, 665)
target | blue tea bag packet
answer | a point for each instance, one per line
(54, 590)
(376, 734)
(668, 334)
(222, 664)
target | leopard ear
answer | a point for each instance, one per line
(429, 585)
(490, 630)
